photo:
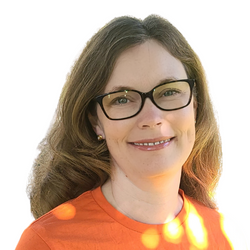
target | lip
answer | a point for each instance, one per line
(152, 144)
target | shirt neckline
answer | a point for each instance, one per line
(135, 225)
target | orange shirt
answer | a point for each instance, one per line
(90, 222)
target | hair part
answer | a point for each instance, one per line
(73, 161)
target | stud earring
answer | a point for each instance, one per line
(99, 138)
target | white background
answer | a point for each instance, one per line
(40, 40)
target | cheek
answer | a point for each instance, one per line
(116, 131)
(111, 130)
(184, 123)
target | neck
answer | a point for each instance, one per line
(152, 201)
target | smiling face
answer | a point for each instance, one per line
(154, 142)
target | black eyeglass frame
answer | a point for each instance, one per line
(149, 95)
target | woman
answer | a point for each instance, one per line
(133, 156)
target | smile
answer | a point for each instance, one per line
(151, 143)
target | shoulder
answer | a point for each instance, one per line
(195, 208)
(214, 225)
(208, 220)
(63, 220)
(67, 212)
(31, 240)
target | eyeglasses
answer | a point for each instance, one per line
(169, 96)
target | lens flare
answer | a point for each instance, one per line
(196, 231)
(150, 238)
(65, 212)
(173, 232)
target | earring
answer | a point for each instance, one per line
(99, 138)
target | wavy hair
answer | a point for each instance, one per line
(72, 160)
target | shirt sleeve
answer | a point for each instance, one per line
(30, 240)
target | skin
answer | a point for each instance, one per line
(145, 180)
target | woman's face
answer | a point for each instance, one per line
(142, 68)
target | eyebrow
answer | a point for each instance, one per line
(122, 87)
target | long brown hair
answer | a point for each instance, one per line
(72, 160)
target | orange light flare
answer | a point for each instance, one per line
(150, 238)
(173, 232)
(65, 212)
(196, 231)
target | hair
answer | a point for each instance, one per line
(71, 159)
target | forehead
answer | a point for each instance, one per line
(144, 66)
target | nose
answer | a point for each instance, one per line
(150, 116)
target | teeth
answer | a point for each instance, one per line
(151, 143)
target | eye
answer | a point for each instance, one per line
(171, 92)
(120, 100)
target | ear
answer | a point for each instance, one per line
(96, 124)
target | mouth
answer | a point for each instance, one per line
(151, 143)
